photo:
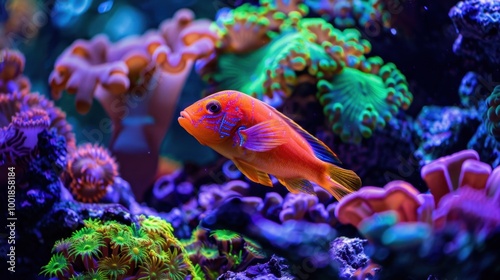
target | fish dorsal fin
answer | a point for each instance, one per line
(264, 136)
(321, 151)
(298, 185)
(253, 174)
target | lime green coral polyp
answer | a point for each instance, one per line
(56, 266)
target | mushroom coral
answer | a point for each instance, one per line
(359, 94)
(138, 81)
(452, 231)
(464, 191)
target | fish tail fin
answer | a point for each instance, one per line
(341, 181)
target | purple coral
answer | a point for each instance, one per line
(443, 130)
(349, 255)
(478, 25)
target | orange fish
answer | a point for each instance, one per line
(262, 141)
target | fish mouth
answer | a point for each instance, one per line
(187, 123)
(184, 117)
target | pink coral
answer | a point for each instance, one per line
(396, 196)
(447, 174)
(91, 170)
(471, 208)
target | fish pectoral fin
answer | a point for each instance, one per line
(298, 185)
(253, 174)
(264, 136)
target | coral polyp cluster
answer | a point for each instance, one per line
(357, 103)
(12, 64)
(492, 114)
(349, 13)
(219, 251)
(91, 171)
(109, 250)
(23, 116)
(359, 94)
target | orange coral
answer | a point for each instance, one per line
(22, 22)
(11, 68)
(241, 32)
(80, 71)
(279, 11)
(91, 170)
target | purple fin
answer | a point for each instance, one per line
(264, 136)
(321, 151)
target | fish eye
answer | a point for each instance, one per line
(213, 107)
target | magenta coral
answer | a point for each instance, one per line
(396, 196)
(91, 170)
(30, 123)
(443, 175)
(17, 102)
(464, 192)
(468, 207)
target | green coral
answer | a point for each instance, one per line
(219, 251)
(114, 266)
(111, 250)
(357, 103)
(492, 114)
(359, 94)
(56, 266)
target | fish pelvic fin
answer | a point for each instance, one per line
(253, 174)
(341, 182)
(298, 185)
